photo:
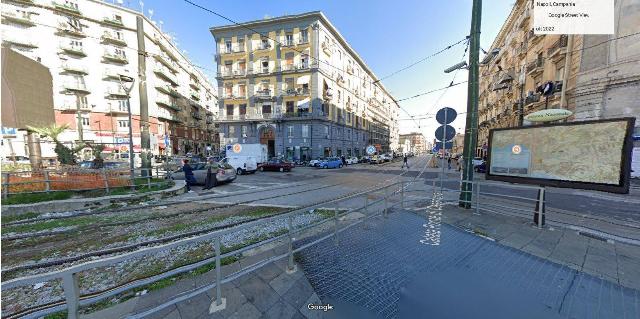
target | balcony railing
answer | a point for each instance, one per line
(113, 57)
(531, 98)
(168, 89)
(558, 47)
(264, 46)
(195, 96)
(294, 67)
(74, 50)
(165, 74)
(167, 61)
(20, 18)
(20, 42)
(76, 87)
(66, 28)
(535, 66)
(71, 68)
(67, 8)
(111, 73)
(167, 103)
(74, 107)
(108, 37)
(235, 48)
(303, 40)
(113, 21)
(266, 93)
(196, 115)
(116, 92)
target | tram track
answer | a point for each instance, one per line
(30, 310)
(125, 248)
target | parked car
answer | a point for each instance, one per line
(480, 168)
(365, 159)
(242, 164)
(477, 161)
(223, 173)
(376, 159)
(386, 157)
(105, 164)
(315, 162)
(331, 162)
(352, 160)
(276, 165)
(19, 159)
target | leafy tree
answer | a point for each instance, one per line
(66, 155)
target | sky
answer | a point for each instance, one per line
(388, 35)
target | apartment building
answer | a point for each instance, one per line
(594, 76)
(417, 141)
(88, 45)
(294, 84)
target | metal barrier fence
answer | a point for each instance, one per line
(70, 276)
(403, 191)
(76, 179)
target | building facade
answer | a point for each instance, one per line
(294, 84)
(417, 142)
(594, 76)
(88, 45)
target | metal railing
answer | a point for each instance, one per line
(70, 276)
(77, 179)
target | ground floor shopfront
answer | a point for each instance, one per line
(298, 140)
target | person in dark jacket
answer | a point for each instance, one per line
(210, 181)
(344, 160)
(404, 161)
(188, 175)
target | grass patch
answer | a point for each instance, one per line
(28, 198)
(262, 211)
(57, 315)
(50, 224)
(326, 213)
(141, 188)
(13, 218)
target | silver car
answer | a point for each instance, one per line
(223, 173)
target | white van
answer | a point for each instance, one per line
(242, 164)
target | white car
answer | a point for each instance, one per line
(315, 162)
(352, 160)
(477, 161)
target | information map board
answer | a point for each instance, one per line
(587, 155)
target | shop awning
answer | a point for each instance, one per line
(304, 104)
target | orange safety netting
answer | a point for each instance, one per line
(35, 181)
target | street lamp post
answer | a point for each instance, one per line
(124, 81)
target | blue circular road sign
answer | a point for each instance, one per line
(371, 149)
(440, 133)
(446, 115)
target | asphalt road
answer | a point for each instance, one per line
(621, 208)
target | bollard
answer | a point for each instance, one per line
(335, 227)
(290, 266)
(402, 194)
(541, 207)
(434, 189)
(218, 273)
(71, 294)
(478, 198)
(47, 182)
(106, 180)
(149, 179)
(386, 202)
(5, 185)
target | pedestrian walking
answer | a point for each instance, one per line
(344, 160)
(188, 175)
(210, 180)
(404, 161)
(449, 162)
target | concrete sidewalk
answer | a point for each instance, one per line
(613, 261)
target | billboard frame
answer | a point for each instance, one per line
(625, 164)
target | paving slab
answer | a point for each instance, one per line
(259, 293)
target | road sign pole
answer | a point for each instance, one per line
(444, 149)
(471, 127)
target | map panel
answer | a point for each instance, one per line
(589, 153)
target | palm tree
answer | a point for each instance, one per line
(65, 154)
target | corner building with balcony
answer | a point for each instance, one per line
(87, 44)
(594, 76)
(294, 84)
